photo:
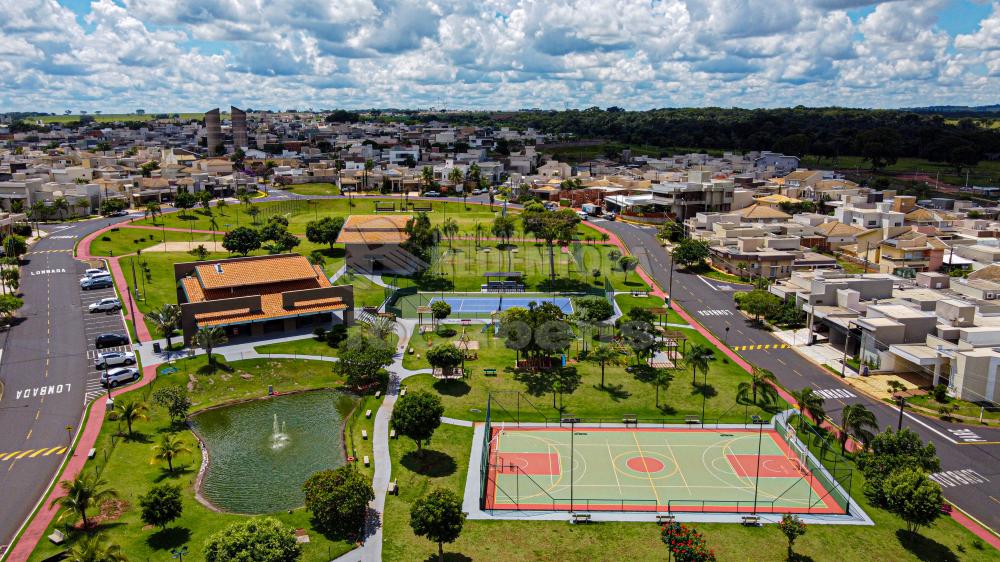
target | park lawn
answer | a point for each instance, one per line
(366, 291)
(303, 346)
(124, 240)
(623, 394)
(312, 188)
(965, 408)
(446, 465)
(129, 471)
(628, 302)
(357, 446)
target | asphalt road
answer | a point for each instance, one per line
(711, 303)
(45, 371)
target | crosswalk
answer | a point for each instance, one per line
(70, 250)
(760, 347)
(967, 435)
(94, 389)
(952, 478)
(834, 393)
(715, 312)
(31, 453)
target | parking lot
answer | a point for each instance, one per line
(96, 323)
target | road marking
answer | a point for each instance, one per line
(62, 237)
(952, 478)
(42, 390)
(761, 347)
(48, 271)
(716, 312)
(967, 435)
(913, 418)
(29, 434)
(834, 393)
(32, 453)
(48, 252)
(705, 281)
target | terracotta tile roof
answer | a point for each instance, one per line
(374, 229)
(278, 269)
(763, 212)
(836, 228)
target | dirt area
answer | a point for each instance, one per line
(185, 246)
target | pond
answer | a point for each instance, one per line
(260, 452)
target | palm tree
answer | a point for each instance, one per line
(82, 493)
(605, 355)
(130, 411)
(379, 327)
(94, 548)
(761, 382)
(427, 176)
(60, 204)
(213, 225)
(455, 176)
(809, 402)
(169, 448)
(369, 166)
(151, 210)
(698, 358)
(208, 338)
(37, 211)
(449, 229)
(859, 422)
(253, 212)
(165, 320)
(661, 378)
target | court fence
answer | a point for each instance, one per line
(820, 463)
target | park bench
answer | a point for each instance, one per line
(57, 537)
(751, 520)
(364, 434)
(378, 394)
(490, 372)
(392, 488)
(402, 392)
(368, 414)
(692, 419)
(367, 462)
(92, 453)
(664, 519)
(630, 419)
(581, 518)
(392, 434)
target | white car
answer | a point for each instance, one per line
(94, 272)
(118, 376)
(110, 304)
(583, 216)
(114, 359)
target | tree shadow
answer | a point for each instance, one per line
(136, 437)
(706, 390)
(429, 462)
(449, 557)
(616, 392)
(667, 409)
(925, 548)
(796, 557)
(171, 537)
(212, 368)
(452, 387)
(179, 472)
(435, 283)
(536, 383)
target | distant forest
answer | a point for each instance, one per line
(881, 136)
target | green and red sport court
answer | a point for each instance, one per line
(655, 469)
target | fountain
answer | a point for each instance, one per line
(252, 471)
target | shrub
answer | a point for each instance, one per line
(320, 333)
(105, 239)
(445, 331)
(262, 539)
(940, 393)
(161, 505)
(336, 335)
(338, 499)
(22, 229)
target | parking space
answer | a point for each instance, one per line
(96, 323)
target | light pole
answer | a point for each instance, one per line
(178, 553)
(756, 483)
(847, 343)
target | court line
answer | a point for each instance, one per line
(614, 469)
(648, 475)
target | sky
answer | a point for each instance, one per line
(192, 55)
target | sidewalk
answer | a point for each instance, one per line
(820, 353)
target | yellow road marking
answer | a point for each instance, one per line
(36, 453)
(59, 452)
(980, 443)
(9, 455)
(24, 454)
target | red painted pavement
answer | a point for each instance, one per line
(83, 253)
(35, 530)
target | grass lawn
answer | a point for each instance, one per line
(628, 302)
(968, 409)
(130, 473)
(850, 267)
(446, 463)
(623, 394)
(366, 291)
(321, 188)
(124, 240)
(304, 346)
(357, 446)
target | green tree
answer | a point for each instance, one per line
(445, 356)
(450, 229)
(380, 327)
(208, 339)
(439, 517)
(9, 304)
(184, 201)
(627, 264)
(175, 400)
(362, 358)
(161, 505)
(809, 402)
(427, 177)
(792, 527)
(690, 252)
(889, 452)
(563, 380)
(148, 167)
(261, 539)
(81, 494)
(338, 499)
(276, 232)
(200, 252)
(94, 548)
(421, 236)
(14, 246)
(165, 320)
(325, 230)
(129, 411)
(914, 497)
(11, 279)
(60, 205)
(757, 302)
(605, 355)
(241, 240)
(858, 422)
(417, 415)
(169, 448)
(879, 146)
(550, 226)
(503, 228)
(440, 310)
(761, 383)
(698, 358)
(152, 210)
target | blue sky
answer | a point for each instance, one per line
(190, 55)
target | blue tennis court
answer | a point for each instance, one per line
(489, 304)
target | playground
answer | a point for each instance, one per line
(735, 469)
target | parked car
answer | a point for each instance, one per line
(118, 376)
(114, 359)
(96, 283)
(583, 216)
(431, 194)
(110, 304)
(94, 272)
(110, 340)
(122, 213)
(477, 191)
(610, 216)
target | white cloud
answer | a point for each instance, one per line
(196, 54)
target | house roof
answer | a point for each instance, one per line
(271, 301)
(374, 229)
(837, 228)
(800, 175)
(778, 199)
(758, 211)
(989, 273)
(243, 273)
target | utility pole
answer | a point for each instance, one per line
(847, 343)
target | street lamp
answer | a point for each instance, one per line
(726, 341)
(178, 553)
(847, 344)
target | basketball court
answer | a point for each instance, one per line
(662, 469)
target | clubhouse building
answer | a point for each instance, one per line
(374, 244)
(257, 295)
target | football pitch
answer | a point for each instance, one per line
(656, 469)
